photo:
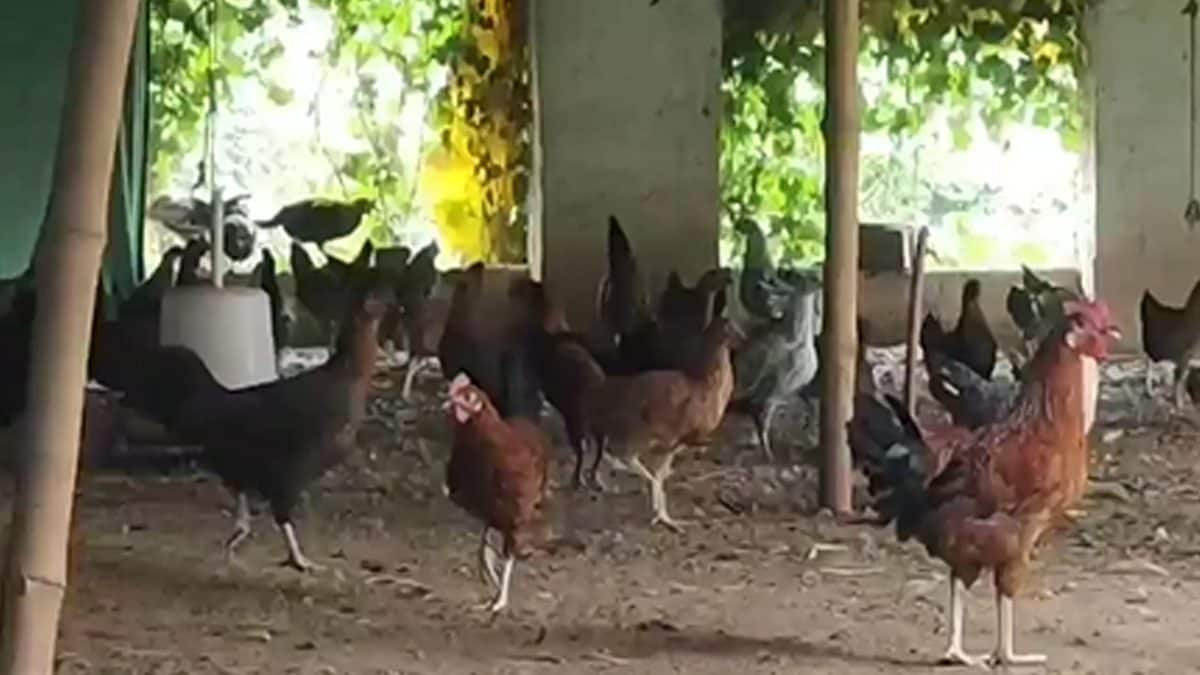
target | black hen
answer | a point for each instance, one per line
(1172, 334)
(972, 401)
(971, 341)
(319, 220)
(489, 349)
(269, 282)
(622, 296)
(271, 439)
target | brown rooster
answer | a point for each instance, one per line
(496, 473)
(982, 500)
(1172, 334)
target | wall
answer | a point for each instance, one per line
(1140, 71)
(627, 113)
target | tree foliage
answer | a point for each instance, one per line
(995, 61)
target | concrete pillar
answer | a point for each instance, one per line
(1140, 73)
(627, 113)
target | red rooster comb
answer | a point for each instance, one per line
(1095, 312)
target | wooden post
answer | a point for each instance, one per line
(841, 248)
(68, 265)
(916, 294)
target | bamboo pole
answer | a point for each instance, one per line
(916, 295)
(841, 248)
(68, 265)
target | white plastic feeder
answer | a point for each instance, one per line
(228, 328)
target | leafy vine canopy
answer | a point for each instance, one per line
(943, 83)
(437, 109)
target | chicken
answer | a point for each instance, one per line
(565, 367)
(971, 400)
(621, 297)
(280, 321)
(776, 363)
(1036, 308)
(496, 473)
(672, 338)
(982, 500)
(146, 299)
(488, 348)
(644, 420)
(1172, 334)
(189, 263)
(324, 291)
(759, 290)
(319, 220)
(422, 317)
(272, 439)
(971, 342)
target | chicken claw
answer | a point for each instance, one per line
(957, 657)
(1004, 655)
(296, 559)
(668, 522)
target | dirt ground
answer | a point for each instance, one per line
(759, 583)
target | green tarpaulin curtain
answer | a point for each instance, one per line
(35, 46)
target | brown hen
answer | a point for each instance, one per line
(496, 473)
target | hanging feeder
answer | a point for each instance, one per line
(229, 328)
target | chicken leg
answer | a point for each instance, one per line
(501, 600)
(658, 493)
(1181, 375)
(295, 557)
(415, 365)
(955, 654)
(487, 560)
(762, 425)
(1004, 654)
(241, 526)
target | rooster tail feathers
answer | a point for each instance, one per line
(887, 445)
(618, 244)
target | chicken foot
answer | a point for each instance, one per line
(658, 493)
(241, 526)
(415, 365)
(592, 479)
(296, 558)
(955, 653)
(501, 581)
(1005, 654)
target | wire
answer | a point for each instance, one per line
(1192, 212)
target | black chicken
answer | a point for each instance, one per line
(271, 439)
(319, 220)
(622, 294)
(269, 283)
(491, 351)
(1172, 334)
(971, 341)
(1036, 306)
(323, 291)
